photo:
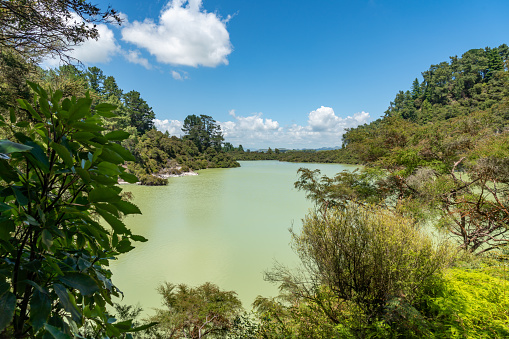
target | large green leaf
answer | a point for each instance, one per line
(40, 309)
(127, 207)
(7, 226)
(7, 172)
(39, 155)
(108, 168)
(121, 151)
(117, 135)
(7, 147)
(67, 301)
(7, 306)
(115, 223)
(103, 194)
(80, 110)
(87, 127)
(130, 178)
(81, 282)
(63, 153)
(82, 136)
(111, 156)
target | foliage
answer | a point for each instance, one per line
(469, 304)
(356, 260)
(196, 312)
(58, 179)
(203, 131)
(35, 28)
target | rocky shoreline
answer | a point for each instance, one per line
(162, 176)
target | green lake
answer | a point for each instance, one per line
(225, 226)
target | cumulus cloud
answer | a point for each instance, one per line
(174, 127)
(136, 58)
(323, 129)
(185, 34)
(91, 51)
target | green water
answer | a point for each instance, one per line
(226, 226)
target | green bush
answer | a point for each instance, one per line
(469, 304)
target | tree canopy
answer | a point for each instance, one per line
(35, 28)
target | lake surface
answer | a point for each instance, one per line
(225, 226)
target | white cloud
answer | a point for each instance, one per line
(323, 129)
(185, 35)
(136, 58)
(179, 75)
(174, 127)
(91, 51)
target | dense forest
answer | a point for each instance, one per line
(411, 245)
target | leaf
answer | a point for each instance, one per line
(138, 238)
(57, 96)
(124, 246)
(111, 156)
(39, 155)
(130, 178)
(20, 197)
(80, 110)
(7, 172)
(40, 309)
(143, 327)
(7, 226)
(7, 306)
(26, 106)
(82, 136)
(115, 223)
(117, 135)
(127, 207)
(108, 168)
(103, 194)
(83, 174)
(55, 332)
(63, 153)
(22, 124)
(7, 147)
(87, 126)
(105, 107)
(80, 281)
(121, 151)
(12, 114)
(47, 239)
(67, 301)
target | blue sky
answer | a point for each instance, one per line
(288, 74)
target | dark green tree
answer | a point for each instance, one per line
(110, 88)
(95, 78)
(142, 116)
(196, 312)
(203, 131)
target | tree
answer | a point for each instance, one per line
(95, 79)
(110, 88)
(196, 312)
(142, 116)
(34, 28)
(203, 131)
(57, 180)
(356, 261)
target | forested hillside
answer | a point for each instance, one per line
(459, 98)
